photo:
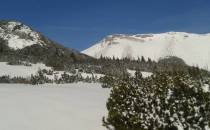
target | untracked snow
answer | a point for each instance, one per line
(20, 70)
(27, 71)
(194, 49)
(144, 74)
(78, 106)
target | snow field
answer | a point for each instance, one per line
(78, 106)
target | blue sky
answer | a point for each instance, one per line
(79, 24)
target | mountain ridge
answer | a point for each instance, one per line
(20, 42)
(193, 48)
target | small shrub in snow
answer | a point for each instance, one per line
(5, 79)
(39, 78)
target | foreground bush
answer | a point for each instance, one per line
(160, 102)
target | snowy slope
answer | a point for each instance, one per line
(20, 42)
(19, 35)
(27, 71)
(20, 70)
(194, 49)
(78, 106)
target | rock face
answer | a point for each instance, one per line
(20, 42)
(194, 49)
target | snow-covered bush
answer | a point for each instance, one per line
(160, 102)
(39, 78)
(5, 79)
(107, 81)
(67, 78)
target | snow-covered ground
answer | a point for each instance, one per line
(27, 71)
(78, 106)
(20, 70)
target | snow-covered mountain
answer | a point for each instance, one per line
(194, 49)
(20, 42)
(19, 35)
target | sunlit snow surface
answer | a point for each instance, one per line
(194, 49)
(78, 106)
(20, 70)
(27, 71)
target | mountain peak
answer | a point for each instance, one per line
(19, 42)
(18, 36)
(193, 48)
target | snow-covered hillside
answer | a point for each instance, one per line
(20, 42)
(19, 35)
(27, 71)
(194, 49)
(20, 70)
(78, 106)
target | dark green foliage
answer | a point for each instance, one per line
(8, 79)
(5, 79)
(47, 51)
(40, 78)
(138, 74)
(67, 78)
(159, 102)
(171, 64)
(107, 81)
(52, 55)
